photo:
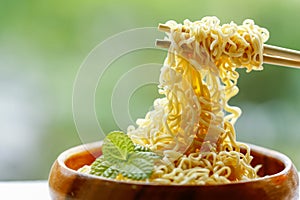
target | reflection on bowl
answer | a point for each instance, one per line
(279, 180)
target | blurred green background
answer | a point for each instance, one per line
(43, 43)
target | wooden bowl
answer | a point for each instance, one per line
(279, 180)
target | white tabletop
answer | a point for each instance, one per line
(25, 190)
(31, 190)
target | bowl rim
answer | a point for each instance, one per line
(93, 145)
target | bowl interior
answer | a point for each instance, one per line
(272, 162)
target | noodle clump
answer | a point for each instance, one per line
(192, 126)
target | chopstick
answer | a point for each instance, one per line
(271, 54)
(281, 52)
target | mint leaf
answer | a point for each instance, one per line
(121, 156)
(138, 147)
(101, 167)
(138, 166)
(116, 147)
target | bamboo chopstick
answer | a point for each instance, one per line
(274, 60)
(272, 54)
(282, 52)
(269, 59)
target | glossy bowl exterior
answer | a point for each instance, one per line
(279, 181)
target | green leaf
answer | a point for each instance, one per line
(121, 156)
(138, 166)
(141, 148)
(116, 147)
(101, 167)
